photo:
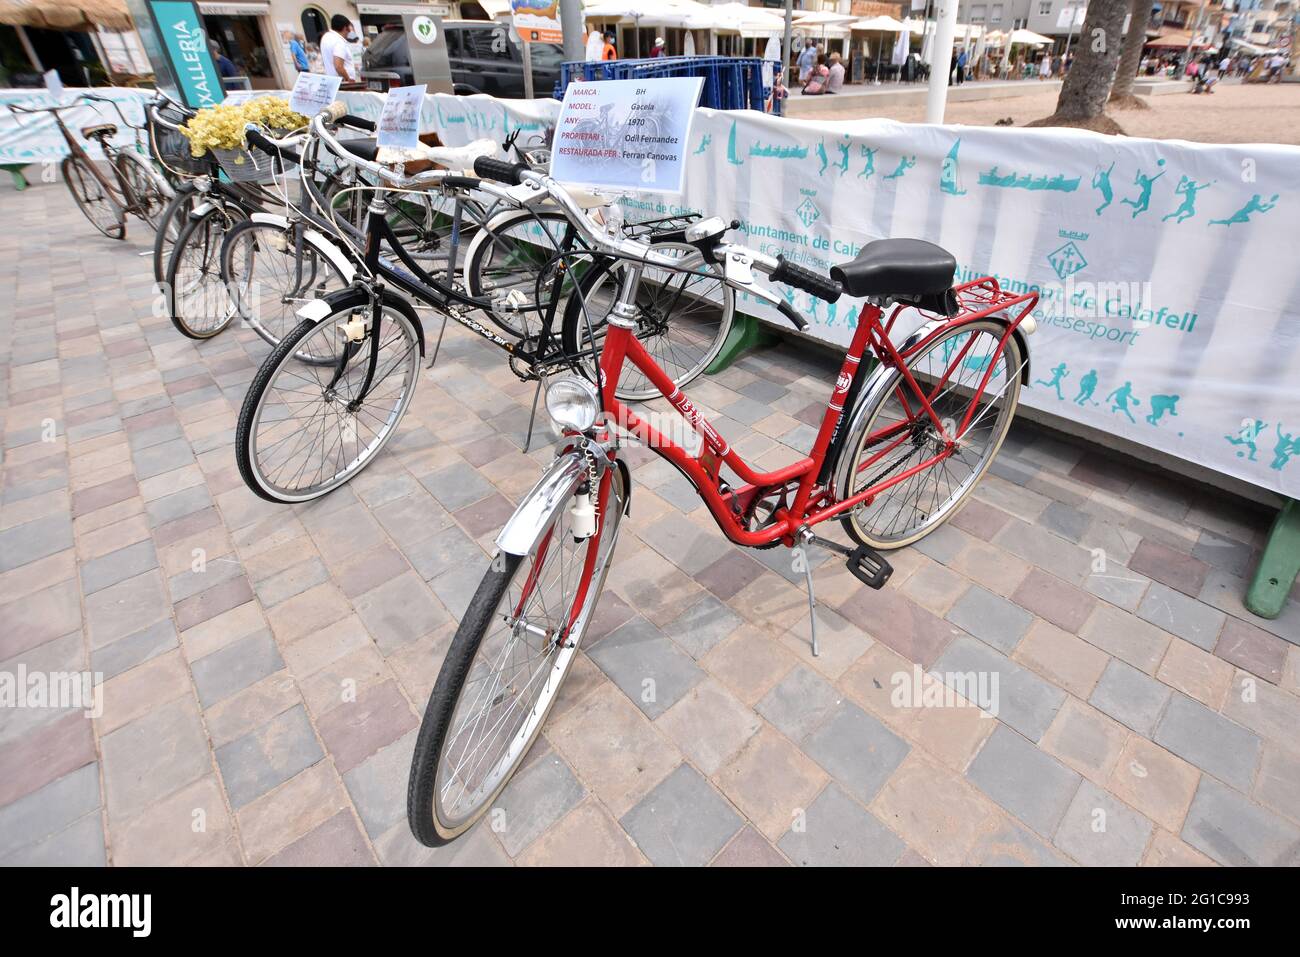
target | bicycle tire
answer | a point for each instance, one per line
(250, 412)
(170, 223)
(485, 244)
(179, 302)
(88, 193)
(935, 512)
(422, 801)
(144, 198)
(684, 367)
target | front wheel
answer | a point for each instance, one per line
(898, 435)
(504, 669)
(308, 427)
(144, 196)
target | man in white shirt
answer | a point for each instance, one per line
(334, 48)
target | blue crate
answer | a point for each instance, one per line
(730, 83)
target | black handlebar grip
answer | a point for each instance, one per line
(814, 283)
(668, 236)
(796, 320)
(283, 156)
(357, 122)
(489, 167)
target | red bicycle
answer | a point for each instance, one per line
(900, 447)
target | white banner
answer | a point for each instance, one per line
(1170, 311)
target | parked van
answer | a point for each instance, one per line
(485, 58)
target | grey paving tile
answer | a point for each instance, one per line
(35, 539)
(378, 785)
(38, 815)
(81, 844)
(457, 486)
(1020, 697)
(1232, 830)
(1130, 697)
(684, 543)
(268, 756)
(856, 749)
(1209, 741)
(683, 822)
(235, 667)
(838, 832)
(153, 756)
(799, 703)
(99, 573)
(647, 666)
(992, 619)
(537, 796)
(1100, 831)
(1033, 786)
(1180, 615)
(700, 627)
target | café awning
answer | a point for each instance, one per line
(882, 24)
(82, 15)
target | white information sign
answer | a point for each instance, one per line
(313, 92)
(54, 84)
(626, 134)
(399, 122)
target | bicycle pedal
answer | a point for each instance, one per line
(869, 567)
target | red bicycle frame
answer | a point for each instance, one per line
(812, 503)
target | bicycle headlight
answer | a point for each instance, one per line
(572, 403)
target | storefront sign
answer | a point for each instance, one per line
(186, 45)
(426, 43)
(626, 134)
(537, 20)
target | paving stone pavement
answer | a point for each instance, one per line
(264, 667)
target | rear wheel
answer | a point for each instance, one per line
(504, 260)
(682, 317)
(504, 669)
(142, 194)
(271, 272)
(899, 435)
(98, 204)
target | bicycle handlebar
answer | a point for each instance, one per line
(281, 149)
(502, 171)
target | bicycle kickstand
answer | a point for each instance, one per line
(812, 603)
(532, 416)
(437, 346)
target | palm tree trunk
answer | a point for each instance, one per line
(1131, 56)
(1083, 95)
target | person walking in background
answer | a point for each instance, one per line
(609, 52)
(807, 60)
(658, 50)
(835, 78)
(962, 60)
(334, 48)
(1045, 66)
(297, 51)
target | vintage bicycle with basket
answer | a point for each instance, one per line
(899, 448)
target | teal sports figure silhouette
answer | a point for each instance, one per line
(869, 167)
(843, 164)
(1255, 204)
(1087, 386)
(1160, 404)
(1248, 436)
(1058, 374)
(904, 164)
(1186, 188)
(704, 144)
(1287, 446)
(1121, 398)
(821, 155)
(1142, 202)
(1101, 183)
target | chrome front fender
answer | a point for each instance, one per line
(525, 528)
